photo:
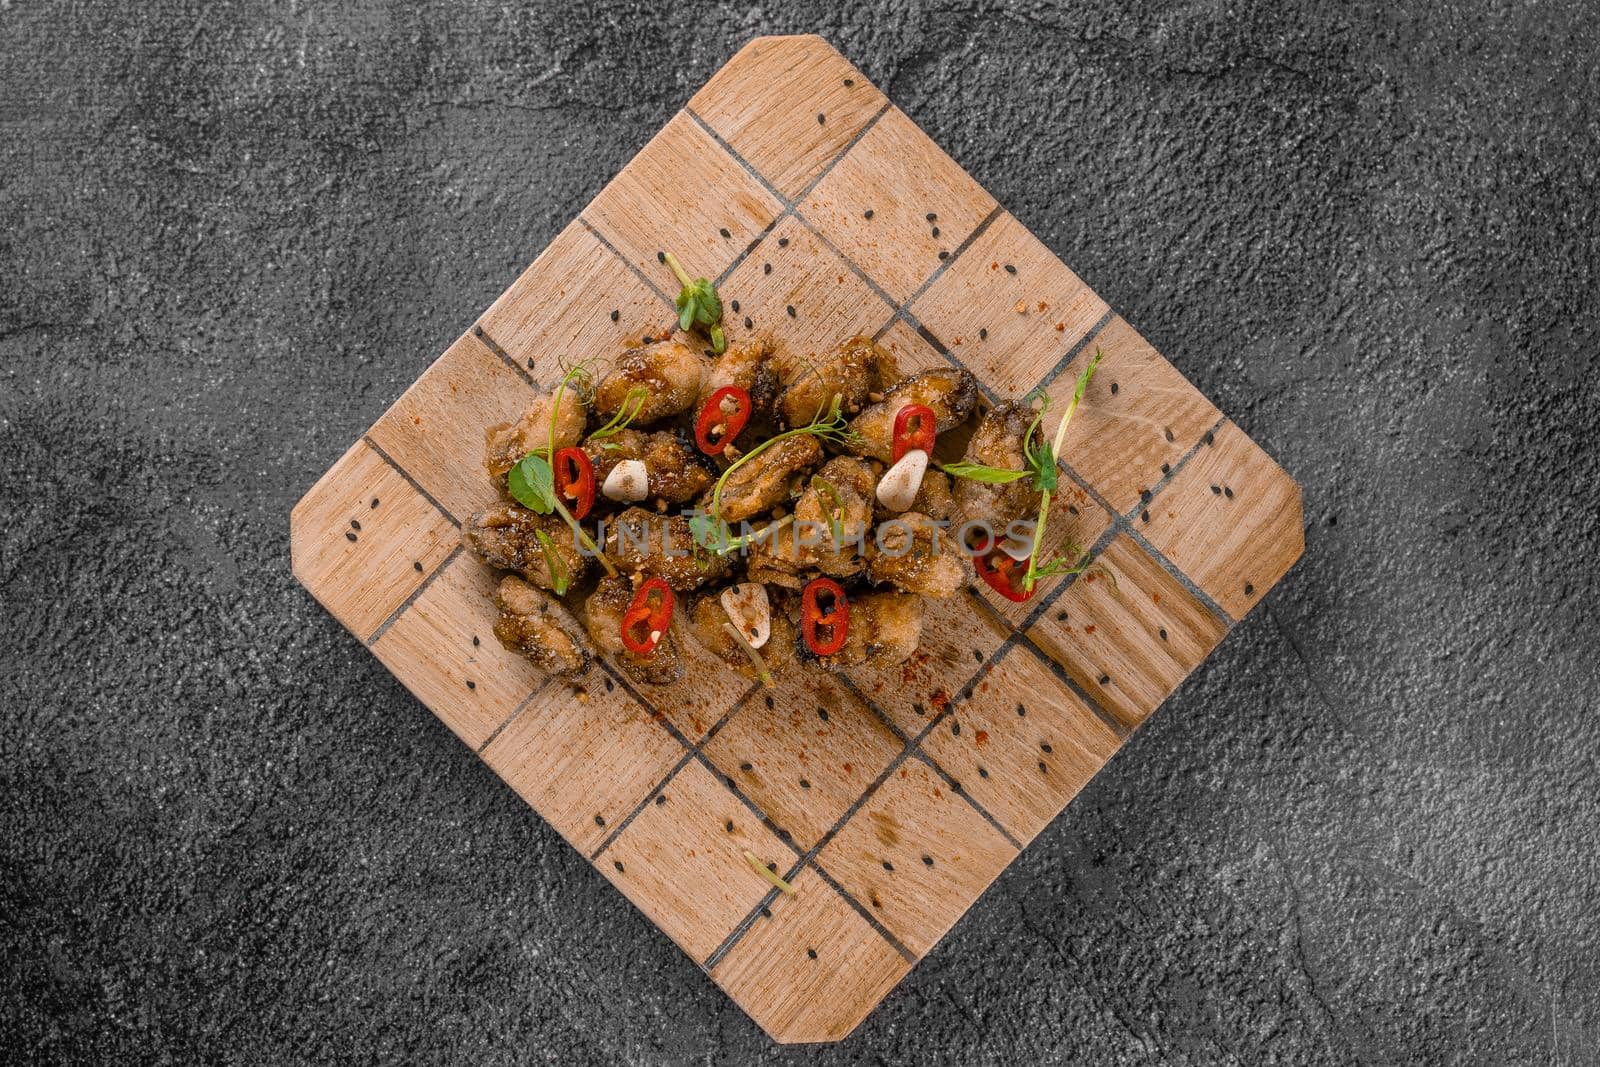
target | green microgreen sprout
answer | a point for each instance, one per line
(698, 304)
(559, 578)
(835, 507)
(755, 657)
(1047, 455)
(831, 427)
(632, 404)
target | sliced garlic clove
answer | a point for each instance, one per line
(628, 480)
(747, 605)
(1018, 550)
(899, 484)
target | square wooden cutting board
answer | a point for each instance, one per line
(890, 799)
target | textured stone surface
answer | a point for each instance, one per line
(1366, 830)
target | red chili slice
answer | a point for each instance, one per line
(1002, 573)
(914, 428)
(716, 427)
(647, 618)
(824, 630)
(575, 480)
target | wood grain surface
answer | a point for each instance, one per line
(889, 798)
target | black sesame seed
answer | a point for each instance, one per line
(1072, 509)
(1105, 679)
(783, 242)
(821, 118)
(822, 713)
(598, 821)
(417, 565)
(374, 501)
(867, 214)
(935, 232)
(724, 232)
(978, 656)
(919, 709)
(475, 641)
(610, 685)
(747, 323)
(790, 309)
(1209, 438)
(1249, 589)
(888, 866)
(955, 728)
(354, 524)
(804, 784)
(1044, 746)
(1115, 388)
(1145, 515)
(769, 703)
(647, 339)
(735, 306)
(1010, 269)
(982, 772)
(1042, 768)
(927, 861)
(1167, 431)
(955, 786)
(661, 798)
(785, 835)
(766, 268)
(1144, 494)
(983, 334)
(944, 254)
(530, 362)
(1166, 468)
(728, 826)
(744, 767)
(1061, 616)
(1227, 491)
(1216, 490)
(766, 913)
(471, 684)
(615, 314)
(849, 82)
(1022, 711)
(661, 257)
(811, 952)
(618, 865)
(348, 536)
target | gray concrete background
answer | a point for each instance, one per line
(1365, 831)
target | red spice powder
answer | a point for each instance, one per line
(981, 736)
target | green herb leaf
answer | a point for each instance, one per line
(977, 472)
(1045, 471)
(698, 304)
(533, 484)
